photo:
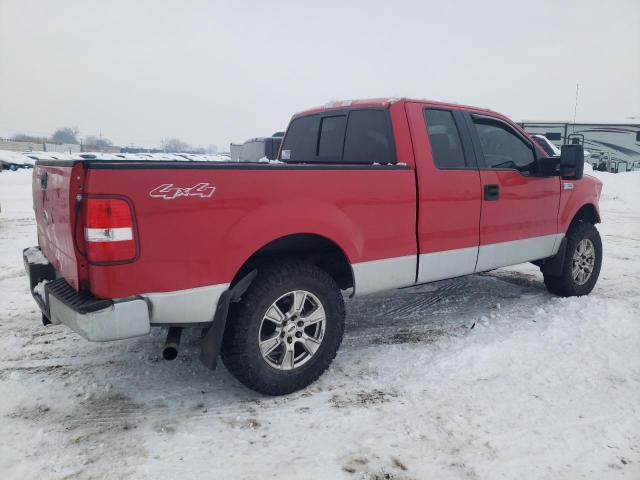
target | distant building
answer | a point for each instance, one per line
(258, 148)
(235, 149)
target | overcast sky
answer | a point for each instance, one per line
(211, 72)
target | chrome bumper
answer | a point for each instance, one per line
(96, 319)
(102, 320)
(125, 319)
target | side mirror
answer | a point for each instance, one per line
(571, 162)
(548, 167)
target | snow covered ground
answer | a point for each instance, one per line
(481, 377)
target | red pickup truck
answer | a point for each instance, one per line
(365, 196)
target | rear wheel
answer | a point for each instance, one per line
(286, 330)
(582, 262)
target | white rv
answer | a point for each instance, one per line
(613, 147)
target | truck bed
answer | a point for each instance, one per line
(188, 240)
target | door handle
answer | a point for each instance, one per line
(491, 192)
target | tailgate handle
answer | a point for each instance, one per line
(491, 192)
(44, 176)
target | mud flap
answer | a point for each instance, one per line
(212, 339)
(36, 273)
(553, 265)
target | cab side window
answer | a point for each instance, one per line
(503, 148)
(369, 138)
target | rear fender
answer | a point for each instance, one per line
(276, 220)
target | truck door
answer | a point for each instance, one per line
(449, 192)
(519, 209)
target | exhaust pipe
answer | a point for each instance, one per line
(170, 349)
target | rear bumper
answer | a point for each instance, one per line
(120, 320)
(95, 319)
(101, 320)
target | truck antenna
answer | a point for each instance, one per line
(575, 107)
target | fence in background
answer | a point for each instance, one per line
(20, 146)
(62, 148)
(14, 146)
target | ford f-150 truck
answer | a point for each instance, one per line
(365, 196)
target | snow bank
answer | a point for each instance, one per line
(621, 188)
(15, 196)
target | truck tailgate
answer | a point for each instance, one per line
(54, 190)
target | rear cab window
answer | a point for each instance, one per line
(300, 141)
(331, 138)
(358, 136)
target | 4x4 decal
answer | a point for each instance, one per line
(168, 191)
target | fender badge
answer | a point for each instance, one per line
(168, 191)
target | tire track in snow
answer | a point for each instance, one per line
(10, 273)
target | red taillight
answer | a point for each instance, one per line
(109, 230)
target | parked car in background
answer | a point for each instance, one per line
(14, 160)
(367, 196)
(553, 151)
(549, 148)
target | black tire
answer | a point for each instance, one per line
(240, 348)
(565, 285)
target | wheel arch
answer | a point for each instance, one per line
(586, 213)
(318, 249)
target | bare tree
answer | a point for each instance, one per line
(65, 135)
(97, 141)
(23, 137)
(175, 145)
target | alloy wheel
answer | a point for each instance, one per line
(292, 330)
(583, 261)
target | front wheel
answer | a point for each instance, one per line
(582, 262)
(286, 330)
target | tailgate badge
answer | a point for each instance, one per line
(169, 191)
(45, 215)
